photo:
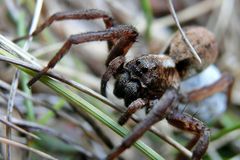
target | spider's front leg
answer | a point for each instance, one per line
(112, 68)
(160, 109)
(120, 32)
(131, 109)
(116, 59)
(120, 38)
(84, 14)
(193, 125)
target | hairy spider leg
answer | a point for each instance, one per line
(224, 83)
(131, 109)
(189, 146)
(192, 125)
(123, 41)
(112, 68)
(116, 59)
(162, 108)
(105, 35)
(84, 14)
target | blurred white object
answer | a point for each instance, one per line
(211, 107)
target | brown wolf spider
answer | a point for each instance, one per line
(150, 81)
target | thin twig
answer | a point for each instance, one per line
(15, 80)
(5, 101)
(40, 128)
(187, 14)
(10, 105)
(221, 25)
(185, 39)
(17, 144)
(18, 128)
(34, 23)
(12, 95)
(62, 114)
(6, 86)
(24, 78)
(47, 105)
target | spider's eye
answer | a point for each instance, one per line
(138, 62)
(154, 68)
(144, 69)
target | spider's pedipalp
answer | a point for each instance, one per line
(111, 70)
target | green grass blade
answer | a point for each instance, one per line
(147, 9)
(50, 114)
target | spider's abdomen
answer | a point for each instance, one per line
(205, 44)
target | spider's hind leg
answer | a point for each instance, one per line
(225, 82)
(193, 125)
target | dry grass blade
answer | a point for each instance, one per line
(15, 80)
(12, 95)
(10, 105)
(23, 94)
(34, 23)
(36, 127)
(189, 13)
(226, 11)
(18, 128)
(185, 39)
(13, 143)
(59, 113)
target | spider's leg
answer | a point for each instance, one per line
(224, 83)
(189, 146)
(85, 14)
(112, 69)
(105, 35)
(131, 109)
(121, 47)
(116, 59)
(193, 125)
(159, 111)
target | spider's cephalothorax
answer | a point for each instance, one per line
(150, 81)
(146, 77)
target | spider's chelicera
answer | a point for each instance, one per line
(150, 81)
